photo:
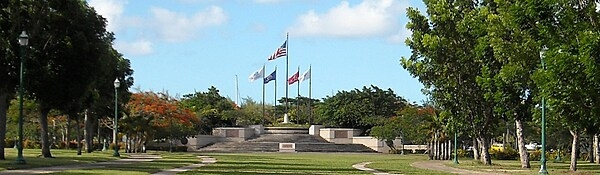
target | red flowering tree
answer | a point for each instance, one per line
(158, 116)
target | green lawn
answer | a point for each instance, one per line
(309, 163)
(62, 157)
(274, 163)
(514, 167)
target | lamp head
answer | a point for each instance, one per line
(23, 39)
(117, 83)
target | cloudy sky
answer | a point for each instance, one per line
(183, 46)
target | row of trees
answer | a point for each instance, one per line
(70, 62)
(481, 62)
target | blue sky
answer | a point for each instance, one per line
(182, 46)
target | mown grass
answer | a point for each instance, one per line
(274, 163)
(309, 163)
(514, 167)
(34, 159)
(168, 161)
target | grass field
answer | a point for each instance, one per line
(272, 163)
(514, 167)
(309, 163)
(62, 157)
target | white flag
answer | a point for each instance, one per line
(257, 75)
(305, 76)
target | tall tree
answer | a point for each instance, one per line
(210, 109)
(570, 31)
(452, 57)
(363, 109)
(515, 46)
(156, 116)
(68, 43)
(9, 61)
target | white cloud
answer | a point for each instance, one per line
(112, 10)
(401, 36)
(369, 18)
(173, 26)
(136, 48)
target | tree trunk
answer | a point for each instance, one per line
(591, 152)
(524, 156)
(3, 110)
(89, 132)
(485, 154)
(78, 130)
(475, 149)
(44, 131)
(68, 133)
(574, 147)
(436, 147)
(596, 149)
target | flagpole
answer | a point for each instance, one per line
(298, 98)
(275, 102)
(287, 43)
(262, 119)
(310, 95)
(237, 91)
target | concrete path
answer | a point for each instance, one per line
(439, 166)
(133, 158)
(205, 161)
(361, 166)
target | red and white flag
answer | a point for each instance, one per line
(293, 78)
(281, 51)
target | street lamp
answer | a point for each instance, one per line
(455, 148)
(543, 158)
(115, 140)
(23, 41)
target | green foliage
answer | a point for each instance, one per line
(504, 154)
(361, 109)
(210, 108)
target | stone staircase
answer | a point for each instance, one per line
(270, 143)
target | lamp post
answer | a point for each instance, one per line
(543, 158)
(115, 140)
(23, 41)
(455, 148)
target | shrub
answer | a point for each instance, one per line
(504, 154)
(112, 146)
(465, 153)
(9, 143)
(536, 155)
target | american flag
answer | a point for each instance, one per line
(281, 51)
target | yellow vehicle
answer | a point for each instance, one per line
(497, 147)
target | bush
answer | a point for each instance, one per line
(536, 155)
(9, 143)
(112, 146)
(31, 144)
(504, 154)
(465, 153)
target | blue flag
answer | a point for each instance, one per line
(270, 77)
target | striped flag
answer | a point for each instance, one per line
(293, 78)
(281, 51)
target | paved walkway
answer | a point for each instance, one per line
(361, 166)
(205, 161)
(439, 166)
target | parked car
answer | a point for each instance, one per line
(533, 146)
